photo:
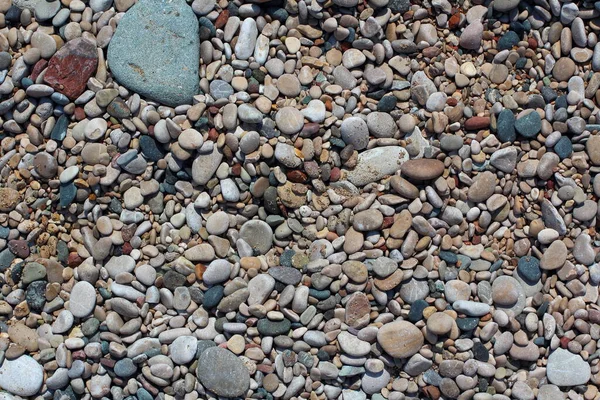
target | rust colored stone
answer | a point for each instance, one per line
(297, 176)
(38, 68)
(71, 67)
(222, 19)
(475, 123)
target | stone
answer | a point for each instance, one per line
(400, 339)
(169, 32)
(70, 68)
(439, 323)
(355, 132)
(14, 380)
(505, 126)
(471, 36)
(205, 166)
(563, 69)
(422, 169)
(375, 164)
(9, 198)
(482, 187)
(82, 300)
(529, 125)
(554, 257)
(183, 349)
(258, 234)
(244, 47)
(567, 369)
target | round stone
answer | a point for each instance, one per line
(400, 339)
(258, 234)
(439, 323)
(355, 132)
(289, 120)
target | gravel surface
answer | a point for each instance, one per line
(382, 199)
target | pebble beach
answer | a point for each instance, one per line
(299, 199)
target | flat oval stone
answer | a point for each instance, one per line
(221, 372)
(422, 169)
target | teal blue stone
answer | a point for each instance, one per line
(150, 149)
(449, 257)
(105, 293)
(59, 132)
(528, 268)
(507, 41)
(529, 125)
(4, 232)
(319, 294)
(387, 103)
(143, 394)
(506, 126)
(467, 324)
(155, 51)
(563, 148)
(68, 191)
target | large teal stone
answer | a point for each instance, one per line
(155, 51)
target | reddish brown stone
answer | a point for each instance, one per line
(71, 67)
(127, 248)
(475, 123)
(532, 43)
(38, 68)
(297, 176)
(74, 260)
(222, 19)
(454, 21)
(335, 174)
(79, 114)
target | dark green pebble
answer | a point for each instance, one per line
(105, 293)
(212, 297)
(286, 258)
(416, 310)
(150, 149)
(528, 268)
(480, 352)
(319, 294)
(273, 328)
(467, 324)
(36, 295)
(59, 132)
(387, 103)
(68, 191)
(530, 125)
(507, 41)
(143, 394)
